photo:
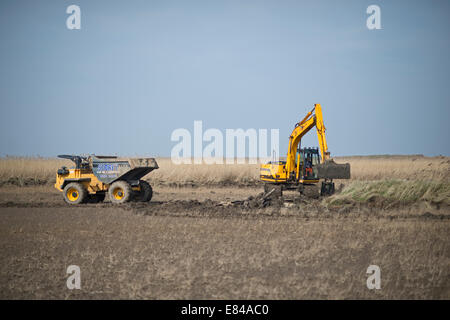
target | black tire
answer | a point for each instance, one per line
(75, 193)
(311, 191)
(120, 192)
(146, 192)
(327, 189)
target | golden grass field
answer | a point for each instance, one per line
(22, 170)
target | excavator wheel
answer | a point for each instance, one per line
(75, 193)
(120, 192)
(311, 191)
(275, 190)
(327, 189)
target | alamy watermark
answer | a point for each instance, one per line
(373, 22)
(74, 280)
(74, 20)
(374, 280)
(235, 146)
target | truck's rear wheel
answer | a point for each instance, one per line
(120, 192)
(75, 193)
(146, 192)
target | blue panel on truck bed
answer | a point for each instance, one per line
(108, 171)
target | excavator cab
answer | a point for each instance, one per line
(309, 159)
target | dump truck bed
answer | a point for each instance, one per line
(110, 169)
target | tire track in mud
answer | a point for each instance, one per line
(244, 209)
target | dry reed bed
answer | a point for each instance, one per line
(24, 171)
(393, 193)
(396, 181)
(399, 167)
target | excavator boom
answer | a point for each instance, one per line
(314, 118)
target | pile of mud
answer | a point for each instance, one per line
(267, 207)
(253, 207)
(262, 200)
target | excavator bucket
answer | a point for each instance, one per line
(332, 170)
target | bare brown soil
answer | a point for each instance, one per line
(218, 243)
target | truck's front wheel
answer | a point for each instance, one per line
(75, 193)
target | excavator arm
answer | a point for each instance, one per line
(327, 168)
(321, 134)
(299, 131)
(313, 119)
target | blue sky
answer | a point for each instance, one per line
(137, 70)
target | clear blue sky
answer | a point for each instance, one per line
(137, 70)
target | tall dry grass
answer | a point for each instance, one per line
(23, 171)
(29, 170)
(398, 167)
(213, 174)
(362, 169)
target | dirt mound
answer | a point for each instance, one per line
(262, 200)
(196, 184)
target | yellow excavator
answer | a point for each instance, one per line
(305, 167)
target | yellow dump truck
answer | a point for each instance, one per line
(93, 177)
